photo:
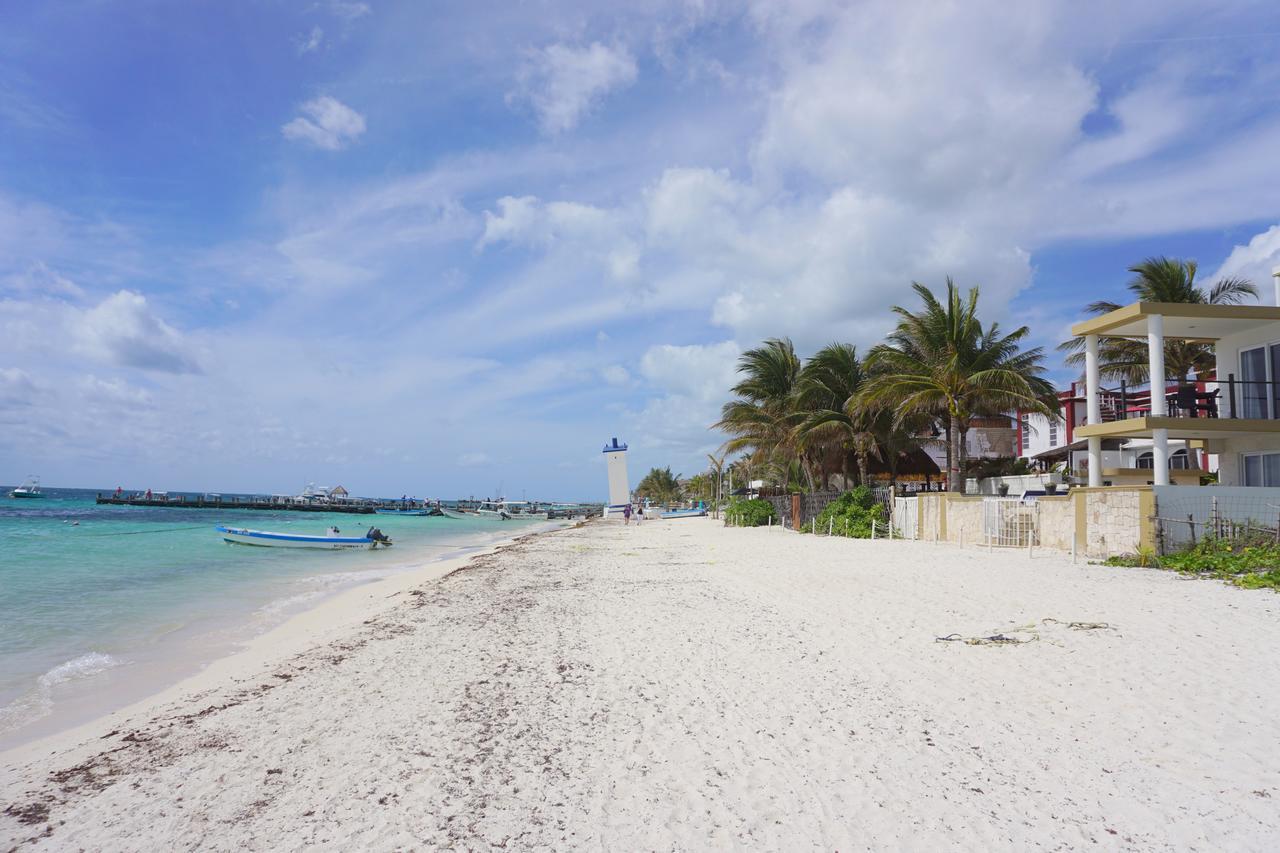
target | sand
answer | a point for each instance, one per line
(685, 686)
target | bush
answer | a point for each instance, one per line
(753, 513)
(850, 515)
(1250, 565)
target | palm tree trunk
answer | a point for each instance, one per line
(844, 470)
(955, 445)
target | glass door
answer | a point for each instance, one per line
(1253, 391)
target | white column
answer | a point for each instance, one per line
(1160, 456)
(1093, 407)
(1155, 359)
(1159, 437)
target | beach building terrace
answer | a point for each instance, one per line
(1236, 417)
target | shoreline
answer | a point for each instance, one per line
(683, 685)
(330, 611)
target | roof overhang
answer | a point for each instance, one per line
(1184, 321)
(1182, 427)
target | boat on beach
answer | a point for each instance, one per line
(331, 541)
(30, 488)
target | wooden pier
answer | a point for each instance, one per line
(270, 504)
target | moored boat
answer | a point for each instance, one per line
(386, 511)
(331, 541)
(29, 489)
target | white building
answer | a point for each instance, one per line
(1236, 418)
(615, 455)
(1051, 443)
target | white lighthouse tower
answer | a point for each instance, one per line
(615, 456)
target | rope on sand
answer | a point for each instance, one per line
(1031, 629)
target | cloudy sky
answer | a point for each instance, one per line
(443, 247)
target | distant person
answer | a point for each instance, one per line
(639, 514)
(119, 491)
(626, 514)
(148, 494)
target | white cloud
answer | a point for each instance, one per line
(1255, 261)
(349, 10)
(115, 392)
(563, 83)
(325, 123)
(38, 278)
(310, 42)
(122, 330)
(615, 374)
(16, 387)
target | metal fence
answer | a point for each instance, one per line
(1010, 522)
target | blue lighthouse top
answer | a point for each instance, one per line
(615, 447)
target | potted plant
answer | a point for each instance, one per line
(1003, 490)
(1050, 488)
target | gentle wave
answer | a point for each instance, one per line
(38, 702)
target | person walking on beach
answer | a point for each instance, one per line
(626, 514)
(639, 514)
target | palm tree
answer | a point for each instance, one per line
(828, 403)
(1160, 280)
(717, 466)
(941, 362)
(659, 485)
(762, 418)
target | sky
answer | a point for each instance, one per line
(449, 249)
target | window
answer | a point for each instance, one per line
(1053, 432)
(1179, 460)
(1261, 469)
(1026, 433)
(1260, 382)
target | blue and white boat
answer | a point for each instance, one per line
(386, 511)
(693, 512)
(331, 541)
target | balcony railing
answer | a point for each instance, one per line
(1232, 398)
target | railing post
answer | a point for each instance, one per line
(1231, 393)
(1124, 402)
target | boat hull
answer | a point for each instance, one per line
(403, 511)
(23, 493)
(688, 513)
(266, 539)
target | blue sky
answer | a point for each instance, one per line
(439, 248)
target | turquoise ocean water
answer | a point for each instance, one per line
(103, 605)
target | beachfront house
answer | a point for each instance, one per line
(1234, 415)
(1050, 444)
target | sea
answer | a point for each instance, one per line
(101, 606)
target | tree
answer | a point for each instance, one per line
(828, 403)
(762, 417)
(941, 362)
(660, 486)
(1160, 279)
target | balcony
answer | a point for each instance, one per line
(1228, 407)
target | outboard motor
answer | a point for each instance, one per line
(378, 537)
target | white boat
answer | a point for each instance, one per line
(493, 509)
(29, 489)
(523, 510)
(331, 541)
(455, 513)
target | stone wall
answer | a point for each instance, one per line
(1101, 522)
(1117, 520)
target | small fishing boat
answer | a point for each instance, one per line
(29, 489)
(493, 509)
(385, 511)
(455, 513)
(695, 512)
(331, 541)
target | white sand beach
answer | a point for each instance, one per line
(686, 686)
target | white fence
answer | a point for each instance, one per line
(906, 517)
(1010, 522)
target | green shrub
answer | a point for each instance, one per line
(851, 515)
(753, 513)
(1252, 565)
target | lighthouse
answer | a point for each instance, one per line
(615, 457)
